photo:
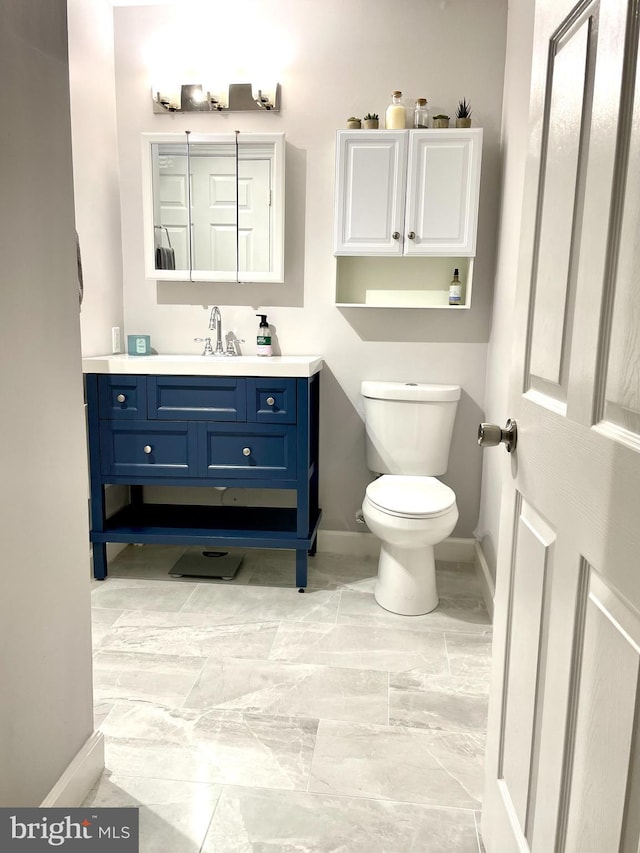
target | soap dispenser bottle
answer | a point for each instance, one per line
(264, 337)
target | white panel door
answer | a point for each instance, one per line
(443, 189)
(563, 750)
(370, 192)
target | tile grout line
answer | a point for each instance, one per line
(215, 809)
(446, 651)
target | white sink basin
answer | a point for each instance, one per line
(205, 365)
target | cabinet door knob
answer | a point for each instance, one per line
(147, 448)
(246, 451)
(396, 235)
(411, 235)
(121, 398)
(270, 401)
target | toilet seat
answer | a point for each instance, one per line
(410, 497)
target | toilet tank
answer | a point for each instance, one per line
(409, 426)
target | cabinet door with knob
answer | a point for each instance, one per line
(370, 192)
(443, 187)
(407, 192)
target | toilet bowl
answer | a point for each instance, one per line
(409, 514)
(409, 426)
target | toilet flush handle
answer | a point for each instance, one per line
(490, 435)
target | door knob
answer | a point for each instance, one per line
(396, 235)
(490, 435)
(411, 235)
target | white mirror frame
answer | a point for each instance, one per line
(277, 140)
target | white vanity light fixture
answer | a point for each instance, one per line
(192, 97)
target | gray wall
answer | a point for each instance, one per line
(45, 641)
(333, 59)
(515, 135)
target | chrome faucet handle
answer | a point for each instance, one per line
(231, 344)
(208, 349)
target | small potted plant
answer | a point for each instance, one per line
(371, 121)
(354, 123)
(463, 114)
(441, 120)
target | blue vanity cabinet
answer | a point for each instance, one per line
(204, 431)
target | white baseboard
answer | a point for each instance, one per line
(455, 550)
(348, 542)
(80, 776)
(488, 586)
(365, 544)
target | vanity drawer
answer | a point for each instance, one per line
(122, 396)
(271, 400)
(210, 398)
(149, 449)
(267, 451)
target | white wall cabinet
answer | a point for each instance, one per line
(407, 192)
(400, 194)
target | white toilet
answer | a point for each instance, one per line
(409, 428)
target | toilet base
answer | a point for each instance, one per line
(406, 581)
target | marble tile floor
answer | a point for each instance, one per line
(245, 717)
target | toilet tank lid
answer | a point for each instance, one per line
(414, 391)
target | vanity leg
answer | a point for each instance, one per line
(301, 569)
(99, 560)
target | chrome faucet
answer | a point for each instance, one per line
(215, 322)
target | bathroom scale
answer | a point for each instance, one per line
(208, 564)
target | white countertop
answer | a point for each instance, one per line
(202, 365)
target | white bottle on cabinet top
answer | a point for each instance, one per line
(396, 116)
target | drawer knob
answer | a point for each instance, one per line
(246, 451)
(147, 448)
(270, 401)
(121, 398)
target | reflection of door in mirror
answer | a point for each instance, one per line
(171, 206)
(230, 219)
(224, 224)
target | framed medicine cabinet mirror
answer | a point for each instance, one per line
(214, 206)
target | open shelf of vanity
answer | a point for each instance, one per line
(155, 421)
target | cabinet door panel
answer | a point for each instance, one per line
(271, 400)
(370, 188)
(148, 449)
(180, 398)
(443, 185)
(266, 451)
(122, 397)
